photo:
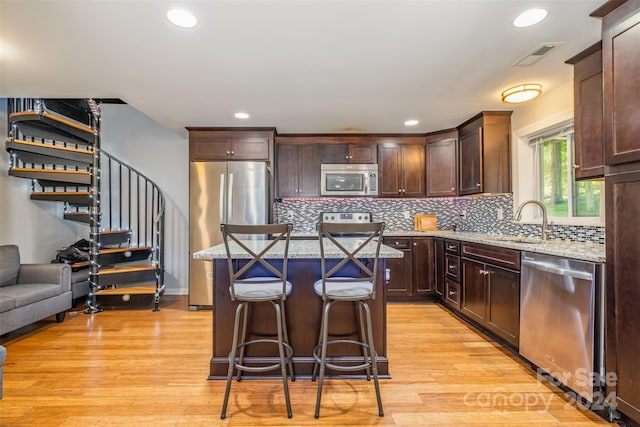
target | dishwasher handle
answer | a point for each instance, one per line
(555, 269)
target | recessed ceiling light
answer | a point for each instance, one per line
(530, 17)
(182, 18)
(241, 115)
(521, 93)
(411, 122)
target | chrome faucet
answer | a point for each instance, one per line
(546, 232)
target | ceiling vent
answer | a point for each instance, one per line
(537, 54)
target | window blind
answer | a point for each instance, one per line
(556, 132)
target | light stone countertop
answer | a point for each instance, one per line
(309, 249)
(567, 249)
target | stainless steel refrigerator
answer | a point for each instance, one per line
(221, 192)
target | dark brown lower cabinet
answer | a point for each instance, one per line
(503, 303)
(491, 293)
(474, 300)
(410, 278)
(452, 294)
(422, 257)
(438, 265)
(400, 270)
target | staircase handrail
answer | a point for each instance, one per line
(158, 218)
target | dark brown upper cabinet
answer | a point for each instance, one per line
(340, 148)
(213, 144)
(401, 168)
(621, 68)
(442, 163)
(350, 153)
(588, 114)
(297, 170)
(484, 153)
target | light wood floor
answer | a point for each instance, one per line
(136, 367)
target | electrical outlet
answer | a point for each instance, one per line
(407, 214)
(290, 215)
(500, 213)
(463, 214)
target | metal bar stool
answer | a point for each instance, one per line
(333, 288)
(270, 286)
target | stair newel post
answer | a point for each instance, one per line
(159, 244)
(94, 213)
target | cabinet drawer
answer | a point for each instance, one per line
(503, 257)
(399, 243)
(452, 266)
(452, 246)
(452, 294)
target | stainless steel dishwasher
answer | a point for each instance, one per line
(561, 319)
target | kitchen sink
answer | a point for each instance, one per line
(516, 239)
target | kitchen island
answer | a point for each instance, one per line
(303, 307)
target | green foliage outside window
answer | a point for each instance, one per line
(557, 184)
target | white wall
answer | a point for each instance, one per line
(534, 116)
(163, 156)
(38, 227)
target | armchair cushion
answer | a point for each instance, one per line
(30, 293)
(6, 303)
(9, 265)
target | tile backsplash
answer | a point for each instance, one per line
(472, 214)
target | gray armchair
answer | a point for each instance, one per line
(31, 292)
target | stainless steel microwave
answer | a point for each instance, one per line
(349, 180)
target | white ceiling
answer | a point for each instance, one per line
(300, 66)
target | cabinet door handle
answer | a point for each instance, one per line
(415, 244)
(452, 293)
(576, 166)
(228, 152)
(478, 185)
(453, 188)
(484, 272)
(452, 267)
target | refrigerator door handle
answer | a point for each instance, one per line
(221, 201)
(230, 199)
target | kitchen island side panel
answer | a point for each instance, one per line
(303, 311)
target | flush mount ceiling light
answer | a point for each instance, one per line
(411, 122)
(241, 115)
(529, 17)
(182, 18)
(521, 93)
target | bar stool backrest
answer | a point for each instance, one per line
(240, 243)
(361, 235)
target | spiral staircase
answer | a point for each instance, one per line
(56, 144)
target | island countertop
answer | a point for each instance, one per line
(302, 249)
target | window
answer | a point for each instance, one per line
(557, 188)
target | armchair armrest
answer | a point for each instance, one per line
(46, 273)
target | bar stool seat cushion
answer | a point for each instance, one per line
(345, 287)
(246, 290)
